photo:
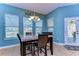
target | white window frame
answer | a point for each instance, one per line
(26, 26)
(50, 24)
(39, 27)
(13, 19)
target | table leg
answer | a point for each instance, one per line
(23, 49)
(51, 45)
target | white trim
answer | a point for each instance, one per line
(10, 46)
(77, 18)
(72, 44)
(58, 43)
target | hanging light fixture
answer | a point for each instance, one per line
(34, 17)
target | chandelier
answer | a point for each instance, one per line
(34, 17)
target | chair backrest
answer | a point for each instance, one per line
(42, 40)
(19, 38)
(47, 33)
(28, 33)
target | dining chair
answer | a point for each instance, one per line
(28, 33)
(48, 33)
(21, 45)
(42, 44)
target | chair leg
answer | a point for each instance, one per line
(45, 51)
(38, 51)
(33, 50)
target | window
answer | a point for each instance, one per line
(50, 25)
(11, 25)
(38, 27)
(27, 25)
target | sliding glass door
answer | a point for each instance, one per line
(71, 31)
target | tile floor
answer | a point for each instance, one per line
(57, 51)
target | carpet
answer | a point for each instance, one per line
(70, 47)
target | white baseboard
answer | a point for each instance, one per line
(10, 46)
(58, 43)
(19, 44)
(73, 44)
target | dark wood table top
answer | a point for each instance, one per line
(31, 37)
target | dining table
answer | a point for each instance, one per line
(26, 40)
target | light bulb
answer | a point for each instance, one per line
(30, 19)
(38, 19)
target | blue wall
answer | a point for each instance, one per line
(58, 16)
(4, 9)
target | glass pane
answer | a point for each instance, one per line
(50, 22)
(38, 31)
(71, 27)
(27, 29)
(71, 30)
(11, 31)
(38, 27)
(11, 20)
(26, 22)
(39, 23)
(50, 29)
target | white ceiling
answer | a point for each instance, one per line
(43, 8)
